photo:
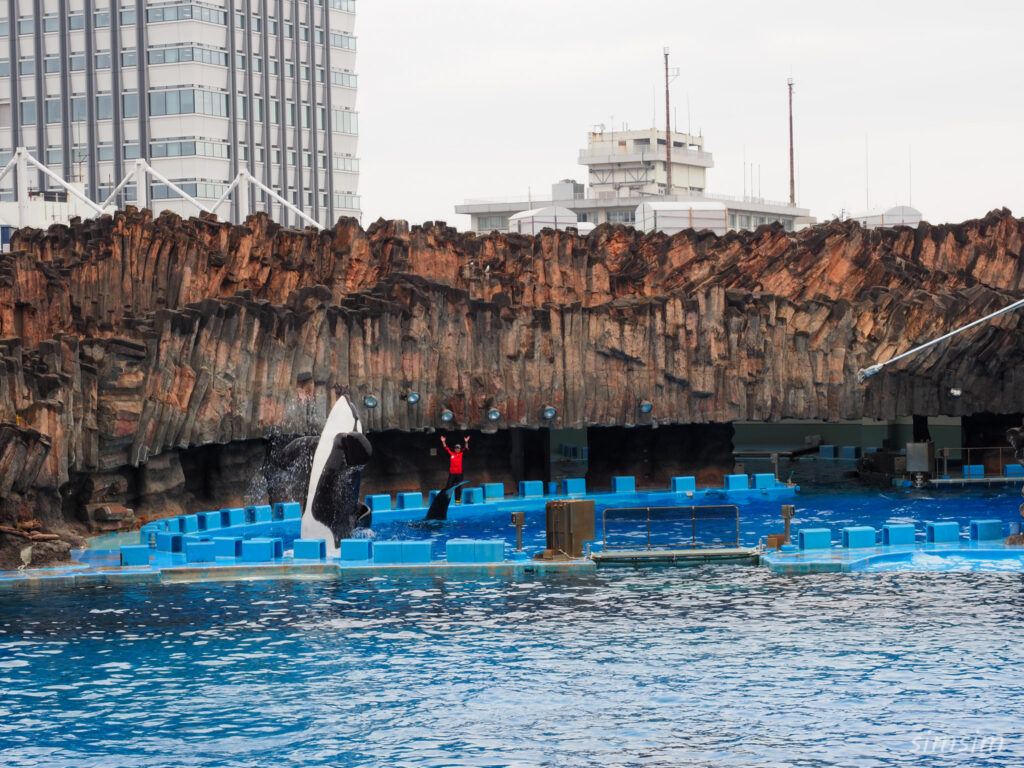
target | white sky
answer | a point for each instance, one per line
(478, 98)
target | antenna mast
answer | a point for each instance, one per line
(792, 178)
(668, 134)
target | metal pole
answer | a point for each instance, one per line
(792, 177)
(22, 155)
(141, 184)
(668, 135)
(242, 198)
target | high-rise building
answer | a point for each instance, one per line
(200, 90)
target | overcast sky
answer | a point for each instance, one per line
(895, 102)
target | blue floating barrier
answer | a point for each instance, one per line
(309, 549)
(379, 502)
(764, 480)
(574, 486)
(354, 549)
(460, 550)
(897, 534)
(941, 532)
(135, 554)
(494, 491)
(200, 552)
(490, 550)
(188, 523)
(387, 552)
(410, 500)
(472, 495)
(684, 484)
(986, 530)
(849, 452)
(232, 516)
(974, 470)
(858, 536)
(170, 541)
(260, 513)
(148, 532)
(788, 548)
(828, 451)
(210, 520)
(1013, 470)
(737, 482)
(228, 546)
(260, 550)
(416, 551)
(552, 488)
(530, 488)
(623, 484)
(814, 538)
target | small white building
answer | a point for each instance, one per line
(897, 216)
(533, 221)
(675, 216)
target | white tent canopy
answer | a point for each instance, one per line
(672, 217)
(533, 221)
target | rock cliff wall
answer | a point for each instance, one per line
(129, 338)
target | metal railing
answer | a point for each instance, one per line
(993, 457)
(670, 527)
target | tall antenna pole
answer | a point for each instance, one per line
(668, 133)
(792, 177)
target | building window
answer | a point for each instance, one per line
(54, 156)
(346, 163)
(51, 65)
(343, 121)
(104, 107)
(5, 68)
(130, 106)
(76, 22)
(127, 17)
(77, 63)
(28, 113)
(51, 24)
(53, 110)
(101, 19)
(491, 223)
(128, 59)
(26, 26)
(189, 149)
(102, 61)
(339, 40)
(348, 6)
(131, 152)
(182, 12)
(27, 67)
(176, 55)
(622, 217)
(78, 109)
(344, 79)
(188, 101)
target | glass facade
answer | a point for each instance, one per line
(96, 77)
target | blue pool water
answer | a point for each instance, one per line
(817, 505)
(718, 665)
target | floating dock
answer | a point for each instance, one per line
(698, 556)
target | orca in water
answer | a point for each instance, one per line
(439, 506)
(333, 510)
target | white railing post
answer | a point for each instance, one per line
(242, 196)
(22, 154)
(141, 184)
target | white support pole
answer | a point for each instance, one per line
(871, 370)
(242, 196)
(22, 157)
(141, 184)
(123, 183)
(227, 192)
(7, 168)
(68, 187)
(164, 180)
(284, 202)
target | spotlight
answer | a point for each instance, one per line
(549, 412)
(955, 393)
(370, 401)
(447, 416)
(646, 406)
(493, 414)
(412, 398)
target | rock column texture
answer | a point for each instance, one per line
(129, 337)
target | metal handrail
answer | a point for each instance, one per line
(943, 455)
(694, 512)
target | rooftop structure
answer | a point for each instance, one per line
(201, 92)
(897, 216)
(627, 168)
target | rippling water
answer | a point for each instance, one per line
(721, 665)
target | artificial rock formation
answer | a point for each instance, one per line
(125, 340)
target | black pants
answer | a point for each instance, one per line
(454, 479)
